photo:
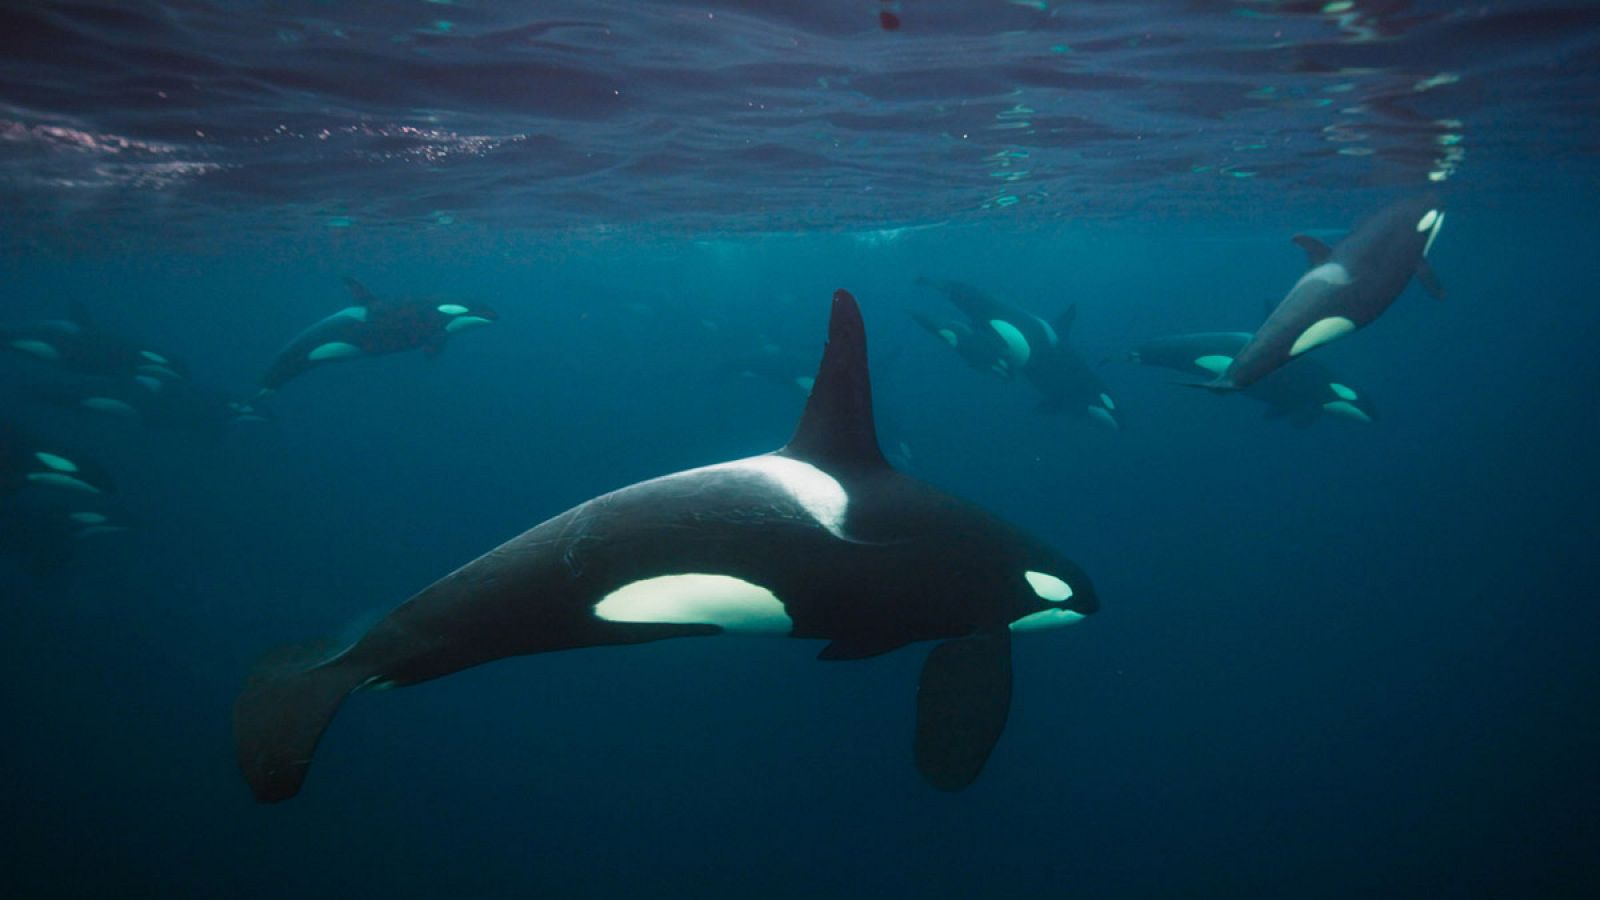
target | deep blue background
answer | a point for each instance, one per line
(1345, 660)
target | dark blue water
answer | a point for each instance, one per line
(1346, 659)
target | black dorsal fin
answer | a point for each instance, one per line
(837, 429)
(1064, 322)
(78, 312)
(1317, 252)
(358, 291)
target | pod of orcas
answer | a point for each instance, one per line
(78, 364)
(821, 539)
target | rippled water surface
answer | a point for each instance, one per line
(739, 117)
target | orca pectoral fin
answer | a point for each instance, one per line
(962, 703)
(1317, 252)
(1429, 280)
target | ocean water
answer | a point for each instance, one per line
(1345, 659)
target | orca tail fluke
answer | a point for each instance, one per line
(286, 704)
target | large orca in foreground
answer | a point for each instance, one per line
(1348, 286)
(821, 539)
(373, 326)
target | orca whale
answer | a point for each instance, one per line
(26, 459)
(373, 326)
(1302, 393)
(177, 405)
(44, 531)
(79, 344)
(820, 540)
(1034, 347)
(1348, 286)
(983, 350)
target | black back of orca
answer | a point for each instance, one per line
(822, 539)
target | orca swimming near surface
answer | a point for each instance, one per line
(373, 327)
(1348, 286)
(1302, 393)
(79, 344)
(821, 539)
(1031, 346)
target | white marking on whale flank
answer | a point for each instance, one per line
(108, 405)
(1321, 332)
(1346, 409)
(697, 598)
(1048, 586)
(1016, 345)
(1343, 392)
(460, 322)
(1101, 415)
(59, 463)
(1105, 400)
(1046, 619)
(333, 350)
(37, 348)
(1049, 331)
(949, 336)
(1437, 224)
(60, 480)
(818, 493)
(155, 357)
(805, 382)
(355, 313)
(451, 309)
(1215, 363)
(1427, 220)
(1328, 273)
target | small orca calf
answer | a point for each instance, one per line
(1032, 346)
(1302, 392)
(1349, 285)
(373, 327)
(78, 344)
(821, 539)
(28, 460)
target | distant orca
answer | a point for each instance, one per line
(1347, 287)
(1036, 348)
(1301, 392)
(178, 405)
(821, 539)
(983, 350)
(78, 344)
(44, 532)
(373, 327)
(771, 363)
(26, 459)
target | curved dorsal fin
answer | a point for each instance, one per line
(358, 291)
(1317, 252)
(836, 429)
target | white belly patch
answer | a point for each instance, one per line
(697, 598)
(1321, 332)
